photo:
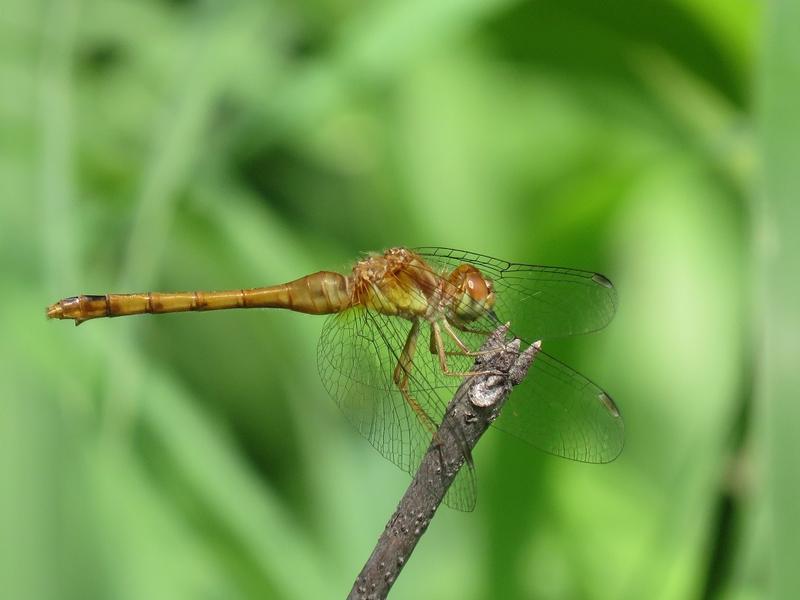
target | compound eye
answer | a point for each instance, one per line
(477, 287)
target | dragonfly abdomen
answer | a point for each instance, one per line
(320, 293)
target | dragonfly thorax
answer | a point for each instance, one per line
(401, 283)
(397, 282)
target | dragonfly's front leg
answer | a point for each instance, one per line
(401, 375)
(463, 348)
(442, 353)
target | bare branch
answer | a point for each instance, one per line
(475, 405)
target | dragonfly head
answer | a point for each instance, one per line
(473, 293)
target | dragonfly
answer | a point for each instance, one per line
(403, 329)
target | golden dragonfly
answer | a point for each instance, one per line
(394, 392)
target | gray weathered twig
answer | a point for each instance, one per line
(473, 408)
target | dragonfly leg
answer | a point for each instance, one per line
(401, 374)
(463, 348)
(440, 350)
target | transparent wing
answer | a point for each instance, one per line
(541, 302)
(559, 411)
(555, 409)
(357, 355)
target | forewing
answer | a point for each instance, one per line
(540, 302)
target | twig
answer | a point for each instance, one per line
(473, 408)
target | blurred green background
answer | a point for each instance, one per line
(182, 144)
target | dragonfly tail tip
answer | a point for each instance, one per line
(54, 311)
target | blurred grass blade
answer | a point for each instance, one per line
(59, 227)
(780, 254)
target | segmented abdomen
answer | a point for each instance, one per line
(321, 293)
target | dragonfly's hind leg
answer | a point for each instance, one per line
(402, 372)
